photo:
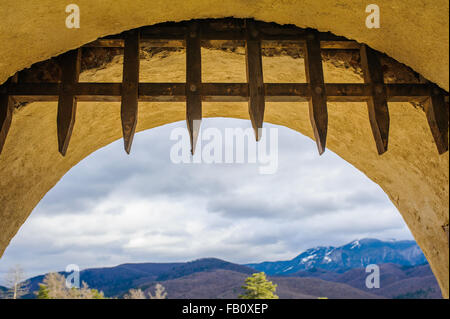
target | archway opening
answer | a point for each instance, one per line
(113, 209)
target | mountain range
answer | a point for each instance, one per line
(332, 272)
(357, 254)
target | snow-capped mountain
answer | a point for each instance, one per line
(357, 254)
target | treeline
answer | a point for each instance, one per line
(56, 286)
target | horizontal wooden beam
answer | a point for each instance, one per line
(271, 36)
(224, 42)
(217, 92)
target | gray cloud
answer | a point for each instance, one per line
(113, 208)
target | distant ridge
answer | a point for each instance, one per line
(333, 272)
(356, 254)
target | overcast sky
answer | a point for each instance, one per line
(115, 208)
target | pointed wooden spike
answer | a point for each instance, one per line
(437, 115)
(318, 112)
(6, 111)
(194, 129)
(130, 88)
(377, 103)
(253, 59)
(67, 104)
(193, 83)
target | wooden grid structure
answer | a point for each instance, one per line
(254, 36)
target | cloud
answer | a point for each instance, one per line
(112, 208)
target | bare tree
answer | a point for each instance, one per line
(15, 281)
(135, 294)
(54, 287)
(160, 292)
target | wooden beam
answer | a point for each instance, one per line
(67, 103)
(437, 115)
(224, 41)
(253, 59)
(224, 92)
(218, 92)
(130, 88)
(406, 92)
(340, 45)
(193, 84)
(274, 35)
(377, 103)
(318, 112)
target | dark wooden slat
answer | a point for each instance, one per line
(340, 45)
(318, 112)
(193, 84)
(270, 35)
(99, 92)
(237, 32)
(67, 102)
(224, 92)
(407, 92)
(377, 103)
(209, 41)
(130, 88)
(106, 43)
(253, 59)
(35, 91)
(225, 42)
(218, 92)
(162, 92)
(286, 92)
(6, 111)
(149, 43)
(437, 115)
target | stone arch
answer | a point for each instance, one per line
(412, 173)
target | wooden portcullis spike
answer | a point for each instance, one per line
(253, 59)
(67, 104)
(437, 115)
(377, 103)
(130, 88)
(318, 112)
(6, 110)
(193, 83)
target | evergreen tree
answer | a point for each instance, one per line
(43, 292)
(258, 287)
